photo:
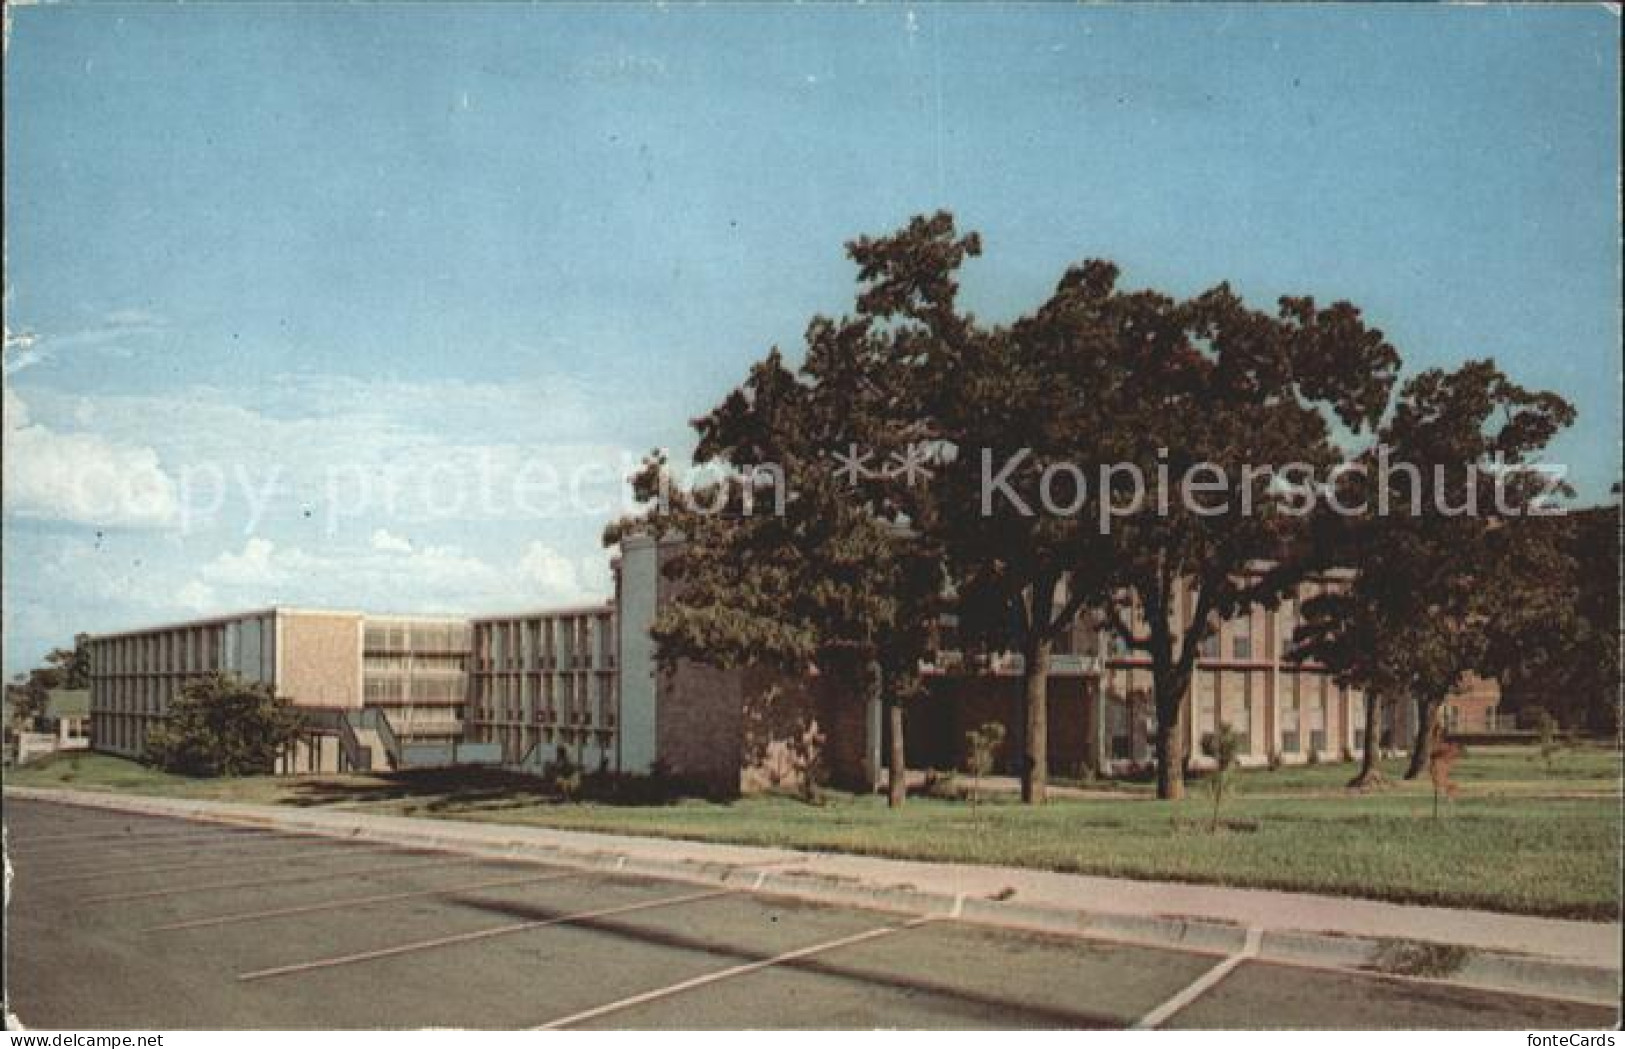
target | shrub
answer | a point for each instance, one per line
(982, 748)
(221, 725)
(1442, 755)
(565, 774)
(1549, 740)
(1276, 760)
(941, 783)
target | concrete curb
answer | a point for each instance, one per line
(1444, 965)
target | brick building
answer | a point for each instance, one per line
(524, 690)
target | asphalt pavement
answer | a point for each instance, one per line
(132, 922)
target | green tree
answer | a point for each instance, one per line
(71, 665)
(1013, 400)
(982, 747)
(1562, 654)
(1443, 562)
(221, 725)
(803, 562)
(28, 695)
(26, 700)
(1213, 389)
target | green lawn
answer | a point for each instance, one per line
(1518, 838)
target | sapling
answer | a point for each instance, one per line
(1223, 747)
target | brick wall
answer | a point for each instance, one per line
(321, 659)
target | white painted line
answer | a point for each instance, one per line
(1204, 983)
(363, 901)
(26, 838)
(761, 876)
(730, 973)
(480, 934)
(178, 868)
(294, 880)
(178, 840)
(959, 905)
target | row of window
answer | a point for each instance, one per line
(247, 643)
(563, 641)
(133, 695)
(118, 733)
(1308, 704)
(416, 663)
(414, 690)
(451, 636)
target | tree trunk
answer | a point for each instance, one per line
(1369, 774)
(1171, 739)
(897, 764)
(1427, 718)
(1035, 696)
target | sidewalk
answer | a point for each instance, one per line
(1301, 926)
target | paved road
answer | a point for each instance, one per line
(136, 922)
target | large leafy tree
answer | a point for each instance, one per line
(1445, 551)
(1010, 402)
(1100, 376)
(809, 550)
(1562, 653)
(221, 725)
(1150, 387)
(1220, 400)
(71, 665)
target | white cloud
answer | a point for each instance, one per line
(546, 572)
(253, 567)
(395, 576)
(387, 541)
(83, 478)
(19, 352)
(373, 452)
(196, 596)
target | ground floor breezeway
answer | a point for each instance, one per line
(1106, 724)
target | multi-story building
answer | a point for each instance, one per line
(1101, 714)
(583, 684)
(544, 684)
(313, 657)
(415, 672)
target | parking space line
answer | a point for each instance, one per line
(479, 934)
(733, 971)
(164, 841)
(25, 833)
(362, 901)
(1204, 983)
(145, 834)
(207, 864)
(173, 851)
(293, 880)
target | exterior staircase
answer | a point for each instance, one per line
(369, 744)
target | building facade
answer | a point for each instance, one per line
(313, 657)
(414, 670)
(582, 686)
(543, 685)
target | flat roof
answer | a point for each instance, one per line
(607, 605)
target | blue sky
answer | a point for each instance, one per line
(274, 246)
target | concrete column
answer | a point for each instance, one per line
(638, 593)
(872, 760)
